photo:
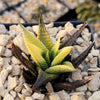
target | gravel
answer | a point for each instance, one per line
(12, 83)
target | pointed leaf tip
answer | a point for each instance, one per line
(43, 35)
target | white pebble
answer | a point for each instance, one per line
(95, 96)
(2, 91)
(3, 76)
(15, 60)
(79, 40)
(29, 98)
(8, 97)
(13, 93)
(16, 70)
(54, 96)
(7, 53)
(12, 83)
(95, 52)
(76, 75)
(4, 39)
(20, 43)
(3, 29)
(38, 96)
(2, 50)
(21, 96)
(26, 92)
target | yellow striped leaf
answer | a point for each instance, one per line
(43, 35)
(28, 37)
(61, 55)
(36, 54)
(58, 69)
(54, 50)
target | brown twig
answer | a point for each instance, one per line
(73, 38)
(77, 61)
(71, 86)
(28, 64)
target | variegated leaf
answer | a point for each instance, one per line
(58, 69)
(54, 50)
(61, 55)
(36, 54)
(28, 37)
(43, 35)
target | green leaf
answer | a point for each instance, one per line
(61, 55)
(36, 54)
(54, 50)
(43, 35)
(58, 69)
(67, 63)
(28, 37)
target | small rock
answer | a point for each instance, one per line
(53, 40)
(82, 88)
(88, 94)
(21, 96)
(50, 25)
(69, 27)
(2, 50)
(49, 87)
(15, 60)
(3, 76)
(12, 82)
(78, 49)
(4, 39)
(76, 75)
(2, 91)
(75, 97)
(85, 38)
(26, 92)
(90, 56)
(52, 31)
(94, 69)
(19, 88)
(35, 28)
(79, 40)
(1, 63)
(27, 87)
(95, 96)
(6, 62)
(95, 52)
(13, 93)
(20, 43)
(54, 96)
(38, 96)
(3, 29)
(63, 95)
(93, 62)
(94, 84)
(7, 53)
(84, 74)
(29, 98)
(21, 79)
(61, 34)
(16, 70)
(12, 33)
(8, 97)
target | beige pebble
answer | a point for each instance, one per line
(12, 83)
(8, 97)
(2, 50)
(4, 39)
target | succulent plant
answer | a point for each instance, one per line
(50, 61)
(88, 11)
